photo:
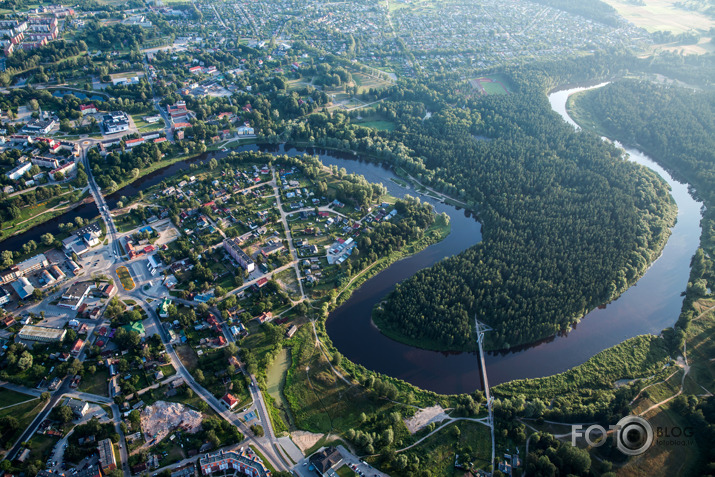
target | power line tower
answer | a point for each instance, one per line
(481, 329)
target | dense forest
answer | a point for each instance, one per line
(674, 125)
(568, 224)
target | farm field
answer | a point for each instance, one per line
(662, 15)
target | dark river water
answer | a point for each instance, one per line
(647, 307)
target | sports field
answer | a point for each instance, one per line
(490, 85)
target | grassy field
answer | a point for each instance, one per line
(125, 278)
(40, 213)
(96, 383)
(24, 413)
(662, 460)
(275, 381)
(662, 15)
(345, 471)
(365, 83)
(493, 84)
(640, 356)
(187, 356)
(127, 222)
(143, 126)
(41, 446)
(318, 400)
(378, 125)
(438, 452)
(8, 397)
(701, 351)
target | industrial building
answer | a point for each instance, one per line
(22, 287)
(42, 334)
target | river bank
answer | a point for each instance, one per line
(652, 304)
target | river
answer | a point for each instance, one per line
(647, 307)
(652, 304)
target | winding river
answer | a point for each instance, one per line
(649, 306)
(652, 304)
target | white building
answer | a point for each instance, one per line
(18, 171)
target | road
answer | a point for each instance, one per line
(273, 456)
(101, 205)
(27, 434)
(289, 239)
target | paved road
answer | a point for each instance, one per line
(274, 458)
(289, 239)
(30, 430)
(101, 205)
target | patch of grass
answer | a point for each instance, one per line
(41, 446)
(378, 125)
(663, 460)
(265, 461)
(125, 278)
(275, 382)
(437, 453)
(345, 471)
(318, 400)
(24, 413)
(96, 383)
(701, 350)
(167, 370)
(9, 397)
(187, 356)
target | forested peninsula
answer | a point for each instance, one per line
(568, 223)
(674, 125)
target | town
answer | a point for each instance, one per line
(177, 222)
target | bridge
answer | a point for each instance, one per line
(481, 328)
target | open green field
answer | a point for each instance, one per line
(9, 397)
(96, 383)
(24, 414)
(275, 381)
(365, 82)
(663, 460)
(319, 401)
(41, 446)
(37, 214)
(493, 84)
(640, 356)
(187, 356)
(378, 125)
(662, 15)
(439, 450)
(144, 126)
(701, 352)
(345, 471)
